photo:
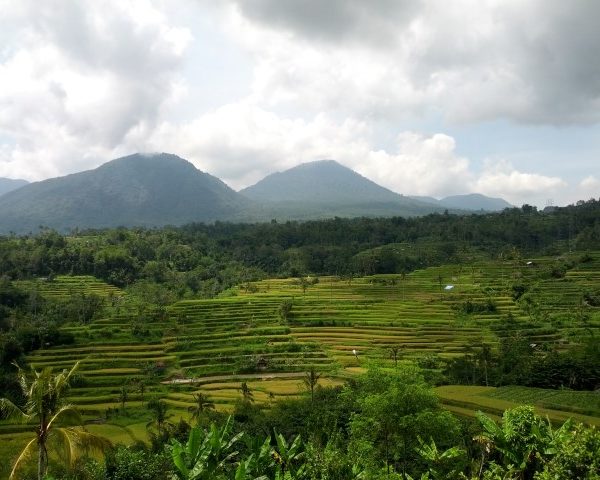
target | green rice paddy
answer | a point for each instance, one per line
(338, 326)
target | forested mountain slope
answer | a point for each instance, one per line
(10, 184)
(325, 189)
(138, 190)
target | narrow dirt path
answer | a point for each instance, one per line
(216, 378)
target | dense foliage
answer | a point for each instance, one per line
(383, 425)
(208, 258)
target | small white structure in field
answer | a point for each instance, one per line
(448, 287)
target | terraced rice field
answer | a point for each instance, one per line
(336, 326)
(64, 285)
(558, 406)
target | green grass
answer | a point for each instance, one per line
(466, 399)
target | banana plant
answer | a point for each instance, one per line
(258, 463)
(442, 463)
(519, 440)
(206, 454)
(289, 458)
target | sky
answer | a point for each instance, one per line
(424, 97)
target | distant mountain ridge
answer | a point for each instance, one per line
(326, 188)
(10, 184)
(164, 189)
(137, 190)
(319, 181)
(469, 201)
(476, 201)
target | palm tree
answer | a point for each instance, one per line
(310, 380)
(141, 384)
(395, 351)
(123, 396)
(247, 394)
(202, 403)
(46, 407)
(158, 409)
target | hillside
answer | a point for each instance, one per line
(186, 319)
(335, 325)
(325, 188)
(469, 202)
(10, 184)
(475, 201)
(137, 190)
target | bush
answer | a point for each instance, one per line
(469, 307)
(124, 463)
(592, 298)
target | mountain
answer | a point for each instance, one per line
(325, 188)
(475, 201)
(9, 184)
(137, 190)
(164, 189)
(324, 181)
(470, 201)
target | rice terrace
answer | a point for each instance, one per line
(260, 339)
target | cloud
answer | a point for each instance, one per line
(589, 187)
(500, 178)
(334, 21)
(79, 77)
(241, 143)
(82, 82)
(532, 62)
(421, 165)
(590, 183)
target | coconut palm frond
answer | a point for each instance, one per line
(9, 410)
(71, 442)
(25, 454)
(45, 392)
(62, 380)
(22, 379)
(66, 413)
(65, 444)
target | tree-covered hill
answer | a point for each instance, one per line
(468, 202)
(475, 201)
(9, 184)
(138, 190)
(324, 189)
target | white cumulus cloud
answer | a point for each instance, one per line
(78, 77)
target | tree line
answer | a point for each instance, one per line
(205, 259)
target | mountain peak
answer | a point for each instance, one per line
(143, 160)
(319, 181)
(10, 184)
(136, 190)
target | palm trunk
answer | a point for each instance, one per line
(42, 451)
(42, 460)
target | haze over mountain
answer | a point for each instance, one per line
(164, 189)
(144, 190)
(10, 184)
(475, 201)
(469, 201)
(326, 188)
(320, 181)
